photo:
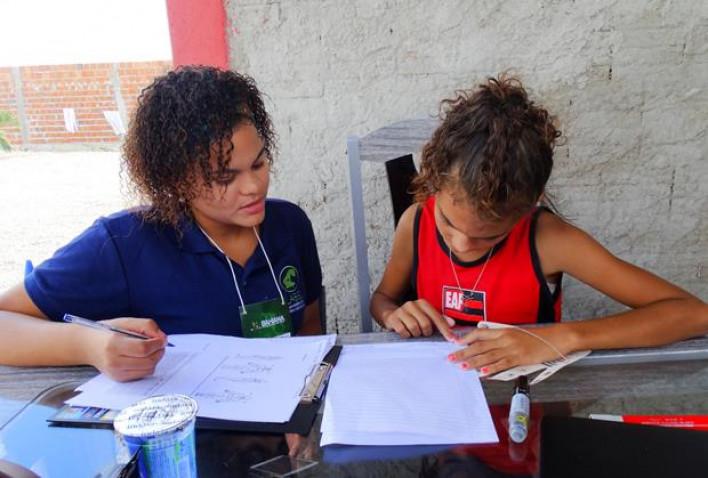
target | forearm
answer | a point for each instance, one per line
(311, 320)
(29, 341)
(652, 325)
(310, 326)
(381, 305)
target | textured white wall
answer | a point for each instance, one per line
(626, 79)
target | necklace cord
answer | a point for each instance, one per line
(233, 273)
(484, 318)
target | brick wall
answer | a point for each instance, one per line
(136, 76)
(37, 95)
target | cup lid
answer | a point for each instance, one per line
(155, 415)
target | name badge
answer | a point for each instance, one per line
(269, 318)
(464, 304)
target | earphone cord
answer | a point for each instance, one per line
(546, 342)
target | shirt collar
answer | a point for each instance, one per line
(194, 241)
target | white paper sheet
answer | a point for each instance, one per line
(404, 394)
(70, 122)
(231, 378)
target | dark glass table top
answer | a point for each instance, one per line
(642, 388)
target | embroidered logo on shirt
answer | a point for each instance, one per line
(463, 304)
(288, 278)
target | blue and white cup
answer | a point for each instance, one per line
(160, 430)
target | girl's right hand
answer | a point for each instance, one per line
(416, 318)
(124, 358)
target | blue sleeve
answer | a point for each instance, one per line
(310, 261)
(84, 278)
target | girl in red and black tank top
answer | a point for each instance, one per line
(477, 246)
(510, 286)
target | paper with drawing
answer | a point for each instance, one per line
(231, 378)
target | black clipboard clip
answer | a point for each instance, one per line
(316, 382)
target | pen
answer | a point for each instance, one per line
(73, 319)
(519, 410)
(696, 422)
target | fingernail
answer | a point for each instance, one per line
(483, 371)
(451, 357)
(464, 365)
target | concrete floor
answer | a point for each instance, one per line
(48, 198)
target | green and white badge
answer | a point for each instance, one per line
(269, 318)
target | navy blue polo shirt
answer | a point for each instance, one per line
(122, 266)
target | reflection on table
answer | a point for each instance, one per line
(650, 385)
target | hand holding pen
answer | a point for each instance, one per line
(115, 351)
(74, 319)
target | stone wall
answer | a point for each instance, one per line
(626, 79)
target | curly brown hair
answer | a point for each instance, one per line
(183, 120)
(495, 146)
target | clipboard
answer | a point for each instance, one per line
(300, 422)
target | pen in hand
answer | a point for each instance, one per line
(73, 319)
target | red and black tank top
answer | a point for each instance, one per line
(511, 290)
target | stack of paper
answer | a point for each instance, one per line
(231, 378)
(404, 394)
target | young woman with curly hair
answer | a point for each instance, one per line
(479, 245)
(207, 254)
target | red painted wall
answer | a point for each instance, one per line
(198, 32)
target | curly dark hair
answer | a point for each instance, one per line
(495, 146)
(183, 119)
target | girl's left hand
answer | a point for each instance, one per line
(494, 350)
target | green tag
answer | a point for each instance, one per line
(269, 318)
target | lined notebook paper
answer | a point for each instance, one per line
(404, 394)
